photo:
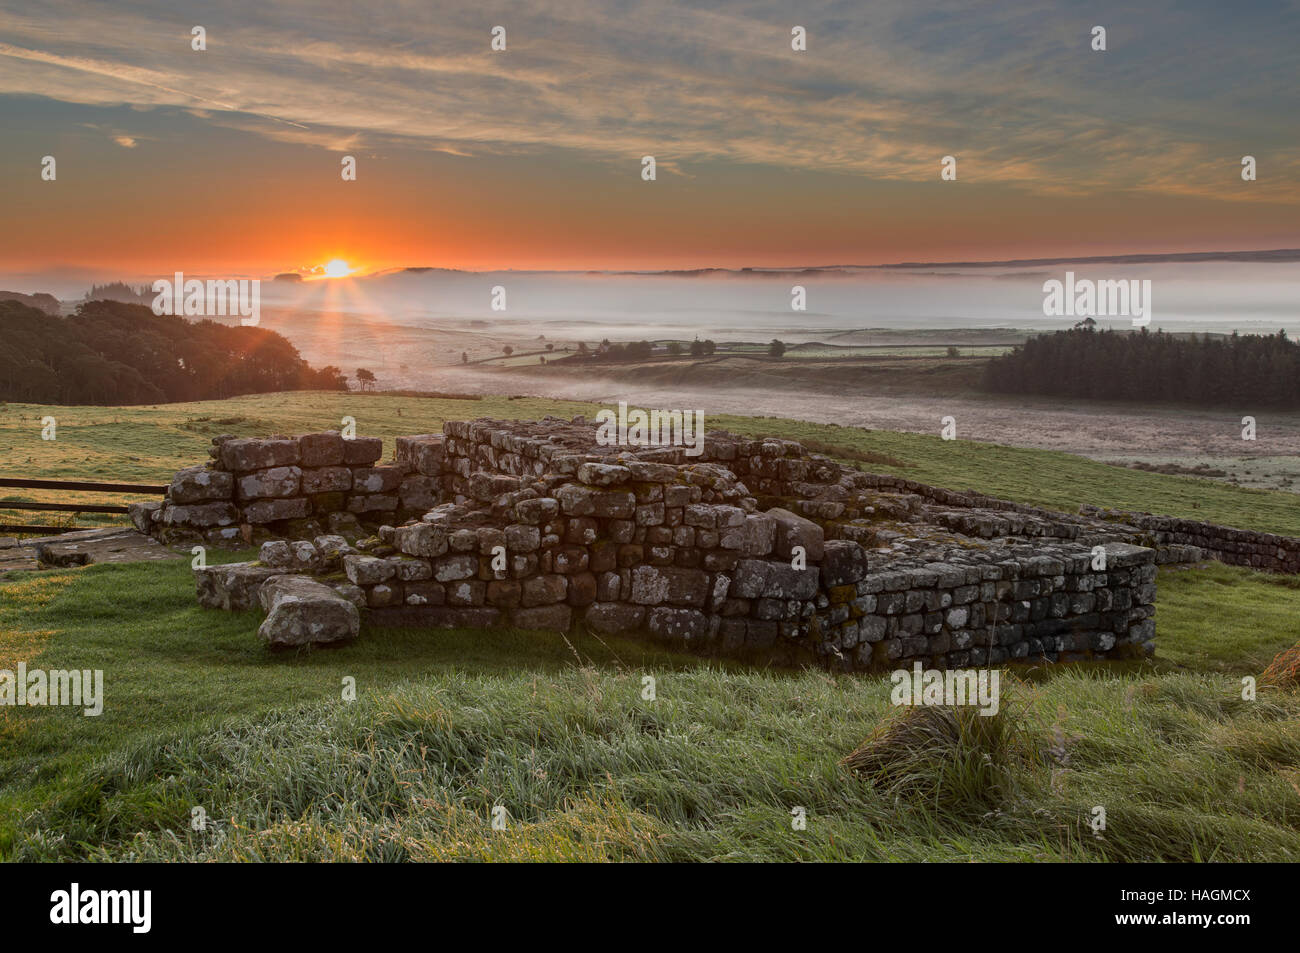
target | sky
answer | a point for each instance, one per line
(227, 160)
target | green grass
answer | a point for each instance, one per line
(1227, 619)
(448, 725)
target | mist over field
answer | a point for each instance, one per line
(1215, 296)
(728, 306)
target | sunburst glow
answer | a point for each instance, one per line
(337, 268)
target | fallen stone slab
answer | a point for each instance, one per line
(18, 558)
(111, 545)
(233, 586)
(301, 611)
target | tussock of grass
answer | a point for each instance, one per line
(951, 757)
(1284, 669)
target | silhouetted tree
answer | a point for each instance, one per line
(111, 352)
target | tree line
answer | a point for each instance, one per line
(110, 352)
(1237, 370)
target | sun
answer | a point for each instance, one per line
(337, 268)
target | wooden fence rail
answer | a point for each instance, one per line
(67, 485)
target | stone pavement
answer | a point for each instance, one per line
(117, 544)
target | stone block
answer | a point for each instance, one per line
(254, 453)
(362, 451)
(275, 483)
(301, 611)
(200, 485)
(323, 449)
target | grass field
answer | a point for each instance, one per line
(449, 725)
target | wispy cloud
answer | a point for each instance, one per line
(883, 92)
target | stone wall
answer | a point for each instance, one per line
(755, 549)
(1238, 547)
(286, 486)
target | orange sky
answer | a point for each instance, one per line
(227, 160)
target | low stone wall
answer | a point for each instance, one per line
(1238, 547)
(536, 526)
(286, 486)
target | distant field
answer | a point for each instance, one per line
(150, 443)
(825, 353)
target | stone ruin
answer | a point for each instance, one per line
(755, 549)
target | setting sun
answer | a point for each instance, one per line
(337, 268)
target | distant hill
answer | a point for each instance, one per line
(45, 302)
(111, 352)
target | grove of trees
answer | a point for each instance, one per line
(1241, 370)
(111, 352)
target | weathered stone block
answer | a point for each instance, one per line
(537, 511)
(688, 626)
(423, 453)
(367, 570)
(646, 472)
(603, 474)
(792, 531)
(200, 515)
(614, 618)
(425, 593)
(421, 539)
(843, 561)
(269, 511)
(376, 479)
(505, 593)
(653, 585)
(362, 451)
(233, 586)
(326, 480)
(418, 492)
(612, 504)
(323, 449)
(298, 556)
(275, 483)
(301, 611)
(544, 590)
(200, 485)
(253, 453)
(384, 594)
(142, 515)
(461, 566)
(554, 617)
(753, 537)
